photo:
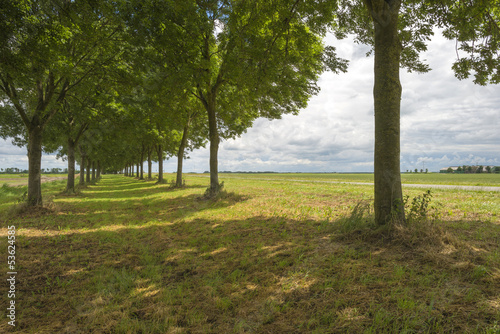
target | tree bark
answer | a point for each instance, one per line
(387, 97)
(180, 153)
(82, 168)
(35, 133)
(141, 177)
(150, 164)
(214, 145)
(70, 185)
(89, 165)
(160, 163)
(93, 171)
(98, 169)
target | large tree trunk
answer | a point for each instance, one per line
(89, 166)
(35, 164)
(214, 146)
(159, 150)
(70, 185)
(150, 164)
(180, 153)
(387, 96)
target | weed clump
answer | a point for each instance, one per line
(216, 192)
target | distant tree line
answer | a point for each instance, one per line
(465, 169)
(14, 170)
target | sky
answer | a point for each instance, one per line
(444, 122)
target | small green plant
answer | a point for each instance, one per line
(419, 208)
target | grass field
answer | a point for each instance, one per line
(410, 178)
(269, 256)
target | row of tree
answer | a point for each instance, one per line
(15, 170)
(114, 83)
(474, 169)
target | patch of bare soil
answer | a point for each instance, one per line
(24, 181)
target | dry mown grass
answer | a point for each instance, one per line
(268, 257)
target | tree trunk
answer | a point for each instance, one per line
(89, 165)
(93, 171)
(141, 177)
(98, 169)
(150, 164)
(387, 97)
(82, 168)
(70, 185)
(160, 163)
(180, 154)
(214, 146)
(35, 163)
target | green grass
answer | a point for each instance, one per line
(270, 256)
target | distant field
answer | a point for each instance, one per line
(415, 178)
(130, 256)
(22, 179)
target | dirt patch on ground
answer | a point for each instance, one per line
(24, 180)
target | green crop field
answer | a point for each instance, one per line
(483, 179)
(269, 255)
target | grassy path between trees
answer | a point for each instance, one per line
(130, 256)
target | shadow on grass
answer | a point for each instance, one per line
(258, 274)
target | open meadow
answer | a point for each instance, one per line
(268, 255)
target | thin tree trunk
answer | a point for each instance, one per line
(159, 151)
(82, 168)
(70, 185)
(89, 165)
(150, 164)
(98, 169)
(141, 177)
(137, 170)
(93, 171)
(387, 97)
(35, 164)
(180, 153)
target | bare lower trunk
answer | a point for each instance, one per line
(89, 166)
(82, 169)
(150, 164)
(387, 96)
(35, 164)
(214, 148)
(141, 163)
(180, 154)
(70, 185)
(159, 150)
(98, 169)
(93, 171)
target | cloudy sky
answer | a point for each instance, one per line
(444, 122)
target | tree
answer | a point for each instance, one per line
(397, 31)
(449, 170)
(50, 47)
(241, 60)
